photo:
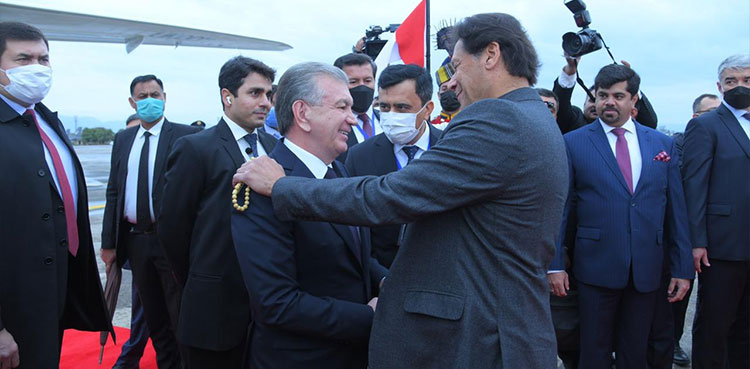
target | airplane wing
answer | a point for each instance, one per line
(65, 26)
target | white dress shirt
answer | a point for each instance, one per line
(316, 166)
(65, 155)
(131, 182)
(738, 113)
(633, 148)
(374, 121)
(423, 143)
(239, 134)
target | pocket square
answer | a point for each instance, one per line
(663, 156)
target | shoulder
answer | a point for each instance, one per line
(366, 147)
(182, 129)
(199, 141)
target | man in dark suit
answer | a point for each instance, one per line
(405, 92)
(571, 117)
(49, 281)
(312, 285)
(468, 288)
(194, 224)
(134, 193)
(624, 191)
(716, 170)
(361, 71)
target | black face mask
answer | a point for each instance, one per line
(738, 97)
(449, 102)
(362, 96)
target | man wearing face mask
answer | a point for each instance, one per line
(360, 70)
(448, 100)
(716, 175)
(48, 276)
(134, 193)
(405, 92)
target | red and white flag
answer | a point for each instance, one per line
(409, 44)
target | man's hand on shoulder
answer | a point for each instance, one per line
(8, 351)
(260, 174)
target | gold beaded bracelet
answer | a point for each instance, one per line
(236, 192)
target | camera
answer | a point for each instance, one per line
(586, 40)
(373, 43)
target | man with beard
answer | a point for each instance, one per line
(716, 170)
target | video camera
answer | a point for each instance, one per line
(373, 43)
(586, 40)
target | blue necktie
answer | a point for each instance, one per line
(252, 140)
(411, 152)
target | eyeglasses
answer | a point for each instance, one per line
(551, 106)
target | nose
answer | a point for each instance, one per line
(350, 119)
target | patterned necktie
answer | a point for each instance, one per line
(252, 140)
(71, 223)
(623, 156)
(142, 203)
(366, 126)
(411, 152)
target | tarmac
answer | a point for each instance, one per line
(95, 160)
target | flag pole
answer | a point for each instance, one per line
(427, 35)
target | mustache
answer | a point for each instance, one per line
(261, 111)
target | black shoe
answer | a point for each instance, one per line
(680, 358)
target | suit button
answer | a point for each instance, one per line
(48, 260)
(60, 209)
(45, 216)
(26, 123)
(40, 173)
(63, 243)
(632, 204)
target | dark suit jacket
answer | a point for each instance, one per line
(43, 289)
(114, 225)
(716, 169)
(375, 158)
(469, 287)
(570, 117)
(617, 232)
(195, 231)
(308, 284)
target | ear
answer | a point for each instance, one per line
(224, 95)
(428, 110)
(132, 103)
(718, 86)
(492, 56)
(301, 111)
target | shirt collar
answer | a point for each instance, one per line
(155, 130)
(738, 113)
(20, 109)
(423, 142)
(316, 166)
(238, 132)
(628, 126)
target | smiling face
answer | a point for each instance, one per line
(249, 108)
(468, 76)
(329, 123)
(615, 104)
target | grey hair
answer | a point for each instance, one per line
(739, 61)
(300, 82)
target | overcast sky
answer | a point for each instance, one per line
(675, 45)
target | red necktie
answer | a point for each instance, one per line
(623, 156)
(366, 126)
(67, 194)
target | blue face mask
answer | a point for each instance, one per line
(150, 109)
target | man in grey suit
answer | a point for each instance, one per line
(468, 288)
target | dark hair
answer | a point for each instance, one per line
(145, 78)
(233, 73)
(18, 31)
(395, 74)
(131, 118)
(355, 59)
(547, 93)
(519, 55)
(697, 102)
(616, 73)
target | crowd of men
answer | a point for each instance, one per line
(509, 230)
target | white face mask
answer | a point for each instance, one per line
(29, 83)
(400, 127)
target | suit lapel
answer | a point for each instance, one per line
(383, 149)
(647, 155)
(730, 121)
(229, 143)
(266, 140)
(162, 150)
(599, 139)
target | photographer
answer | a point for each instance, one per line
(571, 117)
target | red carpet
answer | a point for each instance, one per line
(80, 350)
